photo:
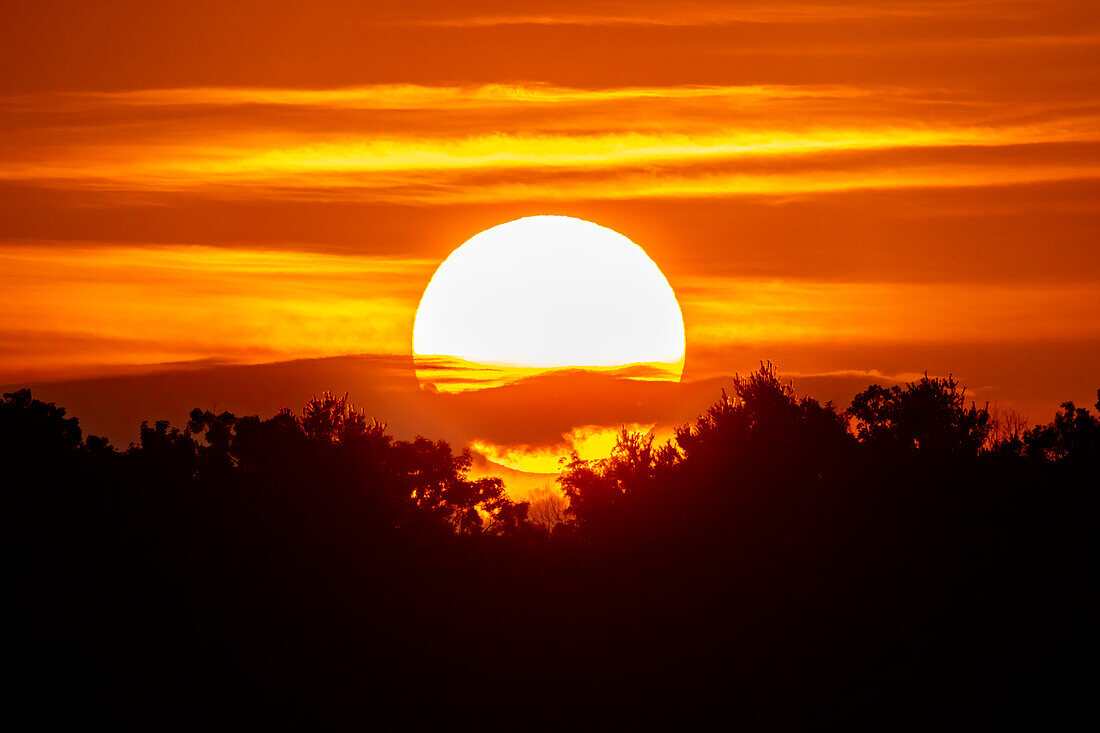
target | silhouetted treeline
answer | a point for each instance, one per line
(905, 562)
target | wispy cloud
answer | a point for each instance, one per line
(673, 14)
(752, 311)
(91, 309)
(419, 96)
(691, 141)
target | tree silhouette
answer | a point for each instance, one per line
(763, 415)
(547, 508)
(1073, 435)
(930, 415)
(768, 564)
(32, 429)
(600, 491)
(332, 419)
(1007, 431)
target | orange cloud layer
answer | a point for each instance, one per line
(704, 14)
(746, 311)
(78, 310)
(419, 96)
(547, 142)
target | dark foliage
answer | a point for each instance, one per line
(780, 564)
(930, 415)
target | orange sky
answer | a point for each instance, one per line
(856, 190)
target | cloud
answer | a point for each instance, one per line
(677, 14)
(551, 168)
(588, 442)
(539, 142)
(391, 97)
(723, 310)
(91, 309)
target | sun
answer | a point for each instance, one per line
(547, 292)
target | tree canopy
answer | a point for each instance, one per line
(777, 557)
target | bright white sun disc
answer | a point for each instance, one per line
(550, 291)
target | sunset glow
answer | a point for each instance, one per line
(853, 189)
(579, 364)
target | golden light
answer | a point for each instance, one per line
(546, 292)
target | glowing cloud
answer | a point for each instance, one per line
(93, 309)
(588, 442)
